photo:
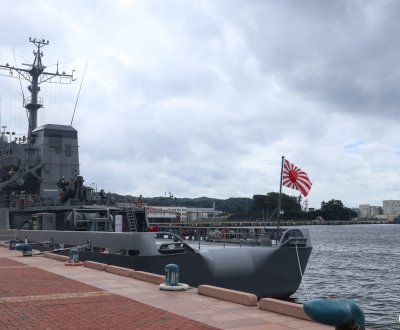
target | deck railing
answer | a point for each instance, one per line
(10, 201)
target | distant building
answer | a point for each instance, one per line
(182, 211)
(202, 213)
(364, 211)
(368, 211)
(375, 210)
(185, 214)
(158, 215)
(391, 207)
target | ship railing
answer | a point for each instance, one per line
(28, 100)
(21, 201)
(174, 244)
(5, 201)
(295, 241)
(168, 235)
(293, 238)
(237, 236)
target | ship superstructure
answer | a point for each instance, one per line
(34, 165)
(40, 182)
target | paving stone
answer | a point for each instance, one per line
(32, 298)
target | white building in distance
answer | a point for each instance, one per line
(158, 215)
(364, 211)
(390, 210)
(368, 211)
(181, 211)
(391, 207)
(187, 214)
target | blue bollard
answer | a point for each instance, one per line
(172, 275)
(341, 313)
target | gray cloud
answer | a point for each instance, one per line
(204, 98)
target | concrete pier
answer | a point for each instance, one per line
(39, 292)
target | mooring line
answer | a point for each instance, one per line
(301, 273)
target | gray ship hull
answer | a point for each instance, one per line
(276, 275)
(266, 271)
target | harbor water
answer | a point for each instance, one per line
(360, 263)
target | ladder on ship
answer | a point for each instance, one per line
(130, 213)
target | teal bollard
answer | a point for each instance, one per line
(73, 258)
(25, 248)
(74, 255)
(342, 313)
(172, 275)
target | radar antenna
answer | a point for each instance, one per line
(35, 74)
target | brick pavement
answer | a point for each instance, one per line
(32, 298)
(207, 312)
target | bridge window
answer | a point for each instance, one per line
(68, 150)
(55, 142)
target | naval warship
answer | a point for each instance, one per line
(44, 201)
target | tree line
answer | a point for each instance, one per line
(293, 209)
(260, 207)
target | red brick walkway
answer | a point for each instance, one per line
(31, 298)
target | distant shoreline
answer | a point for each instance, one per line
(289, 223)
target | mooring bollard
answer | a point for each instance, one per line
(172, 274)
(74, 255)
(342, 313)
(73, 258)
(172, 279)
(25, 248)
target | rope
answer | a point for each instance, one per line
(69, 248)
(36, 243)
(79, 93)
(301, 273)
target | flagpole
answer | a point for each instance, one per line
(279, 200)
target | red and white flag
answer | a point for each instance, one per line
(295, 178)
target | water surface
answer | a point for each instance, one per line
(357, 262)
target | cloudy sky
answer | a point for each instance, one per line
(202, 98)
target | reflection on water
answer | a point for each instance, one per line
(357, 262)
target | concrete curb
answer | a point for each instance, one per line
(243, 298)
(148, 277)
(283, 307)
(118, 270)
(94, 265)
(60, 257)
(49, 255)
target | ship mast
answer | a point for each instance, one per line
(35, 74)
